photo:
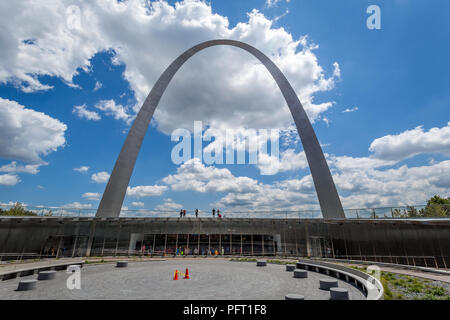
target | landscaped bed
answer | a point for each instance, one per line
(404, 287)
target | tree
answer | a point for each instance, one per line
(437, 207)
(438, 200)
(17, 210)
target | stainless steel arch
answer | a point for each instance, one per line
(111, 202)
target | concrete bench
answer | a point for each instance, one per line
(261, 263)
(25, 285)
(294, 296)
(326, 284)
(290, 267)
(355, 277)
(338, 294)
(300, 273)
(122, 264)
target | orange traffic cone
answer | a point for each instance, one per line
(175, 276)
(186, 275)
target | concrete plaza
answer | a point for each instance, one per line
(211, 279)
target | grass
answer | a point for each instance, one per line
(404, 287)
(275, 261)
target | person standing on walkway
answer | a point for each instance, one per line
(196, 213)
(214, 212)
(184, 213)
(181, 213)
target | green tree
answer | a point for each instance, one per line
(438, 200)
(437, 207)
(17, 210)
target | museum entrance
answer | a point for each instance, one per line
(206, 244)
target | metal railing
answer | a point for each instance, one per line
(393, 212)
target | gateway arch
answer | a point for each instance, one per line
(114, 194)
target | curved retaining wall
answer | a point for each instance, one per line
(371, 286)
(29, 269)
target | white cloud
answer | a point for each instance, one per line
(82, 112)
(348, 110)
(36, 41)
(346, 163)
(397, 186)
(110, 108)
(168, 204)
(82, 169)
(12, 203)
(146, 191)
(411, 143)
(281, 16)
(193, 175)
(242, 192)
(98, 86)
(91, 196)
(240, 93)
(14, 168)
(9, 179)
(271, 3)
(100, 177)
(137, 204)
(337, 70)
(77, 205)
(289, 160)
(26, 134)
(361, 182)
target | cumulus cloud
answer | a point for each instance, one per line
(194, 175)
(9, 179)
(289, 160)
(82, 169)
(110, 108)
(36, 41)
(100, 177)
(346, 163)
(361, 182)
(271, 3)
(26, 134)
(169, 204)
(348, 110)
(91, 196)
(82, 112)
(237, 94)
(146, 191)
(13, 168)
(98, 86)
(77, 205)
(241, 192)
(137, 204)
(411, 143)
(396, 186)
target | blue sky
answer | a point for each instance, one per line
(392, 148)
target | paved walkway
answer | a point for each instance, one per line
(211, 279)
